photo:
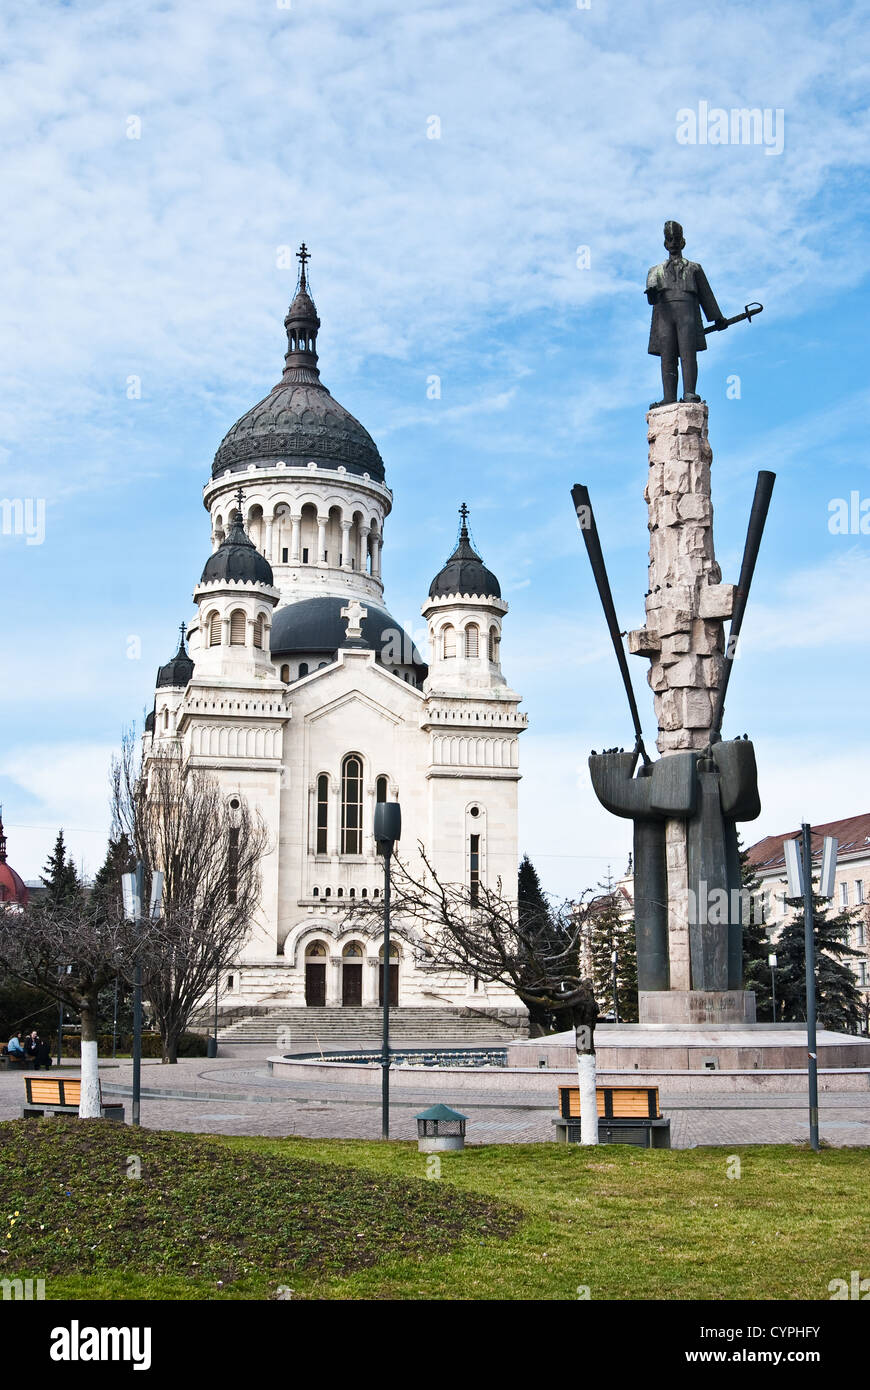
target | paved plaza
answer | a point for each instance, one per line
(234, 1094)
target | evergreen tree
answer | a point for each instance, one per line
(60, 877)
(610, 932)
(757, 945)
(838, 998)
(536, 921)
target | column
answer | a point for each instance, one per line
(333, 982)
(321, 539)
(346, 557)
(370, 983)
(335, 820)
(376, 555)
(268, 550)
(295, 539)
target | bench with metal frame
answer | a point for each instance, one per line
(61, 1095)
(626, 1115)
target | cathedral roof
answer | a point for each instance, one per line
(237, 558)
(465, 572)
(316, 625)
(299, 419)
(178, 671)
(13, 889)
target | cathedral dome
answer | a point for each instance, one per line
(299, 419)
(237, 559)
(177, 672)
(13, 889)
(465, 572)
(316, 626)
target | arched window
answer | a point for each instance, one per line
(322, 812)
(259, 629)
(381, 789)
(214, 630)
(237, 628)
(448, 638)
(233, 866)
(285, 674)
(493, 644)
(303, 669)
(351, 805)
(472, 640)
(166, 718)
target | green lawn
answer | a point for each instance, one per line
(237, 1218)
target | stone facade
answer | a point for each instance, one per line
(303, 733)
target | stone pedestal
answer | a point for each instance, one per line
(696, 1006)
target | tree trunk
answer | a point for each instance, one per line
(586, 1080)
(89, 1104)
(170, 1048)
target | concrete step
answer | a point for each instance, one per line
(341, 1026)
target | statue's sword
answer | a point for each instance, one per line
(749, 313)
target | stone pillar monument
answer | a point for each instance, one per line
(684, 639)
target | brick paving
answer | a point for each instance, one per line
(234, 1094)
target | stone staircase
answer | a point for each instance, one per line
(339, 1028)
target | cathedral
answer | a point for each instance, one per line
(298, 691)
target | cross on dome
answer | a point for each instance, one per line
(354, 613)
(303, 255)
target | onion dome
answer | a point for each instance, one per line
(13, 890)
(465, 572)
(237, 558)
(178, 671)
(299, 419)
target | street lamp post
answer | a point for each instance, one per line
(133, 887)
(388, 829)
(771, 960)
(810, 955)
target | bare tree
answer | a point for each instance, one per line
(490, 938)
(208, 845)
(71, 951)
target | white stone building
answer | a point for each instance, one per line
(302, 694)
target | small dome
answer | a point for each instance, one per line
(465, 572)
(315, 625)
(13, 890)
(149, 721)
(237, 558)
(177, 672)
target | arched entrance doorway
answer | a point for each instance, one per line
(316, 956)
(394, 976)
(352, 975)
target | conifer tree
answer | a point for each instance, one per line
(610, 932)
(757, 945)
(60, 877)
(838, 999)
(536, 920)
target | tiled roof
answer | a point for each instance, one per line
(852, 834)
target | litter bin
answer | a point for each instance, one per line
(211, 1047)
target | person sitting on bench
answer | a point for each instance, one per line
(15, 1050)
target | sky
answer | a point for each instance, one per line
(482, 186)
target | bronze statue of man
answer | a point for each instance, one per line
(678, 291)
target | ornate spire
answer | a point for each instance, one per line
(302, 324)
(2, 839)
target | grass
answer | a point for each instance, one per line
(215, 1217)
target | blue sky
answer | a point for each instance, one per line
(159, 257)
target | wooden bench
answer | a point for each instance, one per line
(61, 1095)
(626, 1115)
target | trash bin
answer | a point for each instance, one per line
(211, 1047)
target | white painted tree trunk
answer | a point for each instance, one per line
(588, 1098)
(89, 1105)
